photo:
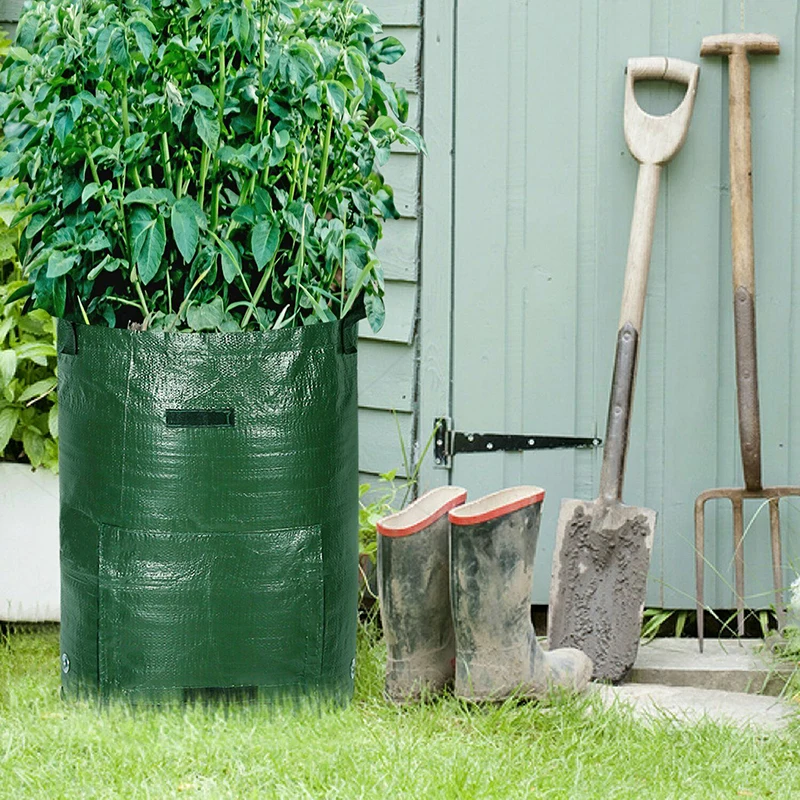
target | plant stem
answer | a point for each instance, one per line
(92, 165)
(124, 302)
(261, 66)
(343, 280)
(142, 299)
(126, 125)
(83, 310)
(182, 310)
(204, 162)
(262, 285)
(323, 167)
(296, 165)
(165, 161)
(214, 206)
(169, 292)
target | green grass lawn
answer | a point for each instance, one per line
(567, 749)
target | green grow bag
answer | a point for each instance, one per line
(209, 512)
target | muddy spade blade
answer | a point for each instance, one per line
(599, 581)
(603, 547)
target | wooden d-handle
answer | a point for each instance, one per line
(655, 140)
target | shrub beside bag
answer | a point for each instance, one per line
(209, 511)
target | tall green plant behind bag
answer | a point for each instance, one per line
(203, 199)
(210, 166)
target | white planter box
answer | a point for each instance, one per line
(30, 582)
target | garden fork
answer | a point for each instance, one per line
(736, 47)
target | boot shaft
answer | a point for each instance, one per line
(414, 593)
(492, 549)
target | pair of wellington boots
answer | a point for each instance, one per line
(455, 582)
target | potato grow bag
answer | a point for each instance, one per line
(209, 512)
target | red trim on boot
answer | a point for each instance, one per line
(496, 505)
(393, 525)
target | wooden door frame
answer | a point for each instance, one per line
(436, 250)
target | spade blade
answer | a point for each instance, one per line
(599, 580)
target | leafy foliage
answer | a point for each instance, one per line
(28, 405)
(189, 164)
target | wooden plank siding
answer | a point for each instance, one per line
(387, 360)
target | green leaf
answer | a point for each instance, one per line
(207, 317)
(149, 241)
(33, 445)
(360, 280)
(203, 96)
(264, 242)
(241, 27)
(8, 367)
(59, 296)
(63, 122)
(230, 260)
(8, 422)
(76, 106)
(376, 311)
(38, 352)
(52, 420)
(176, 103)
(98, 242)
(149, 196)
(144, 39)
(71, 188)
(39, 389)
(61, 263)
(18, 294)
(410, 137)
(185, 229)
(336, 95)
(89, 191)
(207, 128)
(118, 47)
(19, 53)
(388, 50)
(29, 211)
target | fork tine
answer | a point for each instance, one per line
(699, 564)
(775, 533)
(738, 560)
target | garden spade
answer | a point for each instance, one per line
(603, 547)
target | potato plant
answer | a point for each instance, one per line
(202, 165)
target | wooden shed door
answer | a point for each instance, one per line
(543, 190)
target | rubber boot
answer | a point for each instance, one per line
(492, 549)
(414, 592)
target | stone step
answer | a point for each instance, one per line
(685, 704)
(731, 665)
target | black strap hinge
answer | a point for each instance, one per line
(447, 442)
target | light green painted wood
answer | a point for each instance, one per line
(399, 12)
(402, 174)
(544, 190)
(387, 366)
(10, 10)
(385, 375)
(398, 250)
(401, 311)
(379, 440)
(437, 226)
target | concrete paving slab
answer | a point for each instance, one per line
(732, 665)
(688, 705)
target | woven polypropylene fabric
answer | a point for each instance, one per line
(209, 511)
